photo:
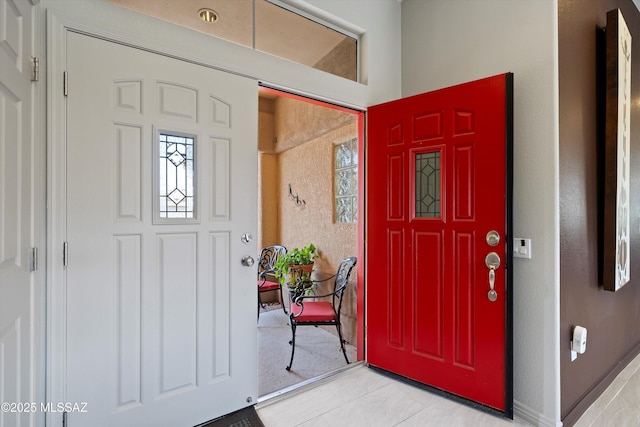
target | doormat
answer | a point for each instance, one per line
(246, 417)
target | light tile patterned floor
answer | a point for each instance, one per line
(362, 397)
(619, 405)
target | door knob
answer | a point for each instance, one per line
(248, 261)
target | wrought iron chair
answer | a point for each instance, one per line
(304, 312)
(266, 278)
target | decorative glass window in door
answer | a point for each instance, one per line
(345, 160)
(427, 185)
(175, 178)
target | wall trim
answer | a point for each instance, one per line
(522, 411)
(598, 389)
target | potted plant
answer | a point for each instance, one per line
(294, 268)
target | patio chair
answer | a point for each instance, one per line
(306, 310)
(266, 278)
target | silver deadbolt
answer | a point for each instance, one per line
(248, 260)
(246, 238)
(492, 261)
(493, 238)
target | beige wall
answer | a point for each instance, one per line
(309, 169)
(298, 122)
(268, 200)
(305, 135)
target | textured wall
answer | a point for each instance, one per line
(342, 60)
(309, 169)
(269, 197)
(306, 134)
(298, 122)
(611, 319)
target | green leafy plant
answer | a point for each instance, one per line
(286, 266)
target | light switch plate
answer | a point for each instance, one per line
(521, 248)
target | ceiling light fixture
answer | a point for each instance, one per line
(208, 15)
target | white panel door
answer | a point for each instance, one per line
(18, 375)
(160, 322)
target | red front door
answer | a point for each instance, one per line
(438, 232)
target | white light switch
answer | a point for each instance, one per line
(521, 248)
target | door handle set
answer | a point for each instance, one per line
(492, 261)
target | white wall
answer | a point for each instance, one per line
(446, 42)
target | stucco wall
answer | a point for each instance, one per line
(306, 134)
(447, 42)
(297, 122)
(268, 200)
(309, 170)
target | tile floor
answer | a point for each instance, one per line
(362, 397)
(619, 405)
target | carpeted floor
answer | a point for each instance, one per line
(317, 352)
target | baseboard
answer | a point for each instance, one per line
(590, 397)
(532, 416)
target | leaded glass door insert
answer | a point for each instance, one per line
(427, 185)
(175, 178)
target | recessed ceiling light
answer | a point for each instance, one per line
(208, 15)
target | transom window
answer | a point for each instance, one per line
(345, 160)
(270, 26)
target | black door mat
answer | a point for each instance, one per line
(246, 417)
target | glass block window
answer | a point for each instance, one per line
(345, 160)
(176, 186)
(428, 185)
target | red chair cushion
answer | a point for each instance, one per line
(314, 311)
(268, 285)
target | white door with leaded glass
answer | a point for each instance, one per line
(161, 185)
